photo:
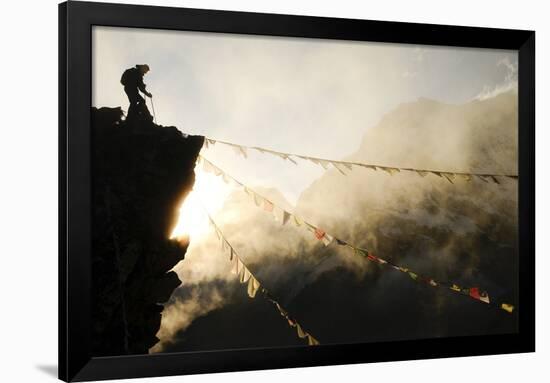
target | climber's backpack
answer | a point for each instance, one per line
(126, 76)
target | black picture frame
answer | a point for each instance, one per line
(75, 28)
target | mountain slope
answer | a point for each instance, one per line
(141, 174)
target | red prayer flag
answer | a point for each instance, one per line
(372, 257)
(268, 206)
(319, 233)
(474, 293)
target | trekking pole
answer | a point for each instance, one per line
(153, 107)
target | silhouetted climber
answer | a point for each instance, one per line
(132, 79)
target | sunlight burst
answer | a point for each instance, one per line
(208, 192)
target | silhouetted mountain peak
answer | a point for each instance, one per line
(141, 174)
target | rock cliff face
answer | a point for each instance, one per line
(141, 174)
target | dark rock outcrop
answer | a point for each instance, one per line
(141, 174)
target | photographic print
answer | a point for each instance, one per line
(253, 192)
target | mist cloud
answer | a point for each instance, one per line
(465, 232)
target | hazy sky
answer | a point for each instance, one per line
(309, 96)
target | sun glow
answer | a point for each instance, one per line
(208, 192)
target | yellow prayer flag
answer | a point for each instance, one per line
(449, 176)
(422, 173)
(507, 307)
(359, 252)
(300, 331)
(482, 178)
(253, 286)
(456, 288)
(311, 341)
(389, 170)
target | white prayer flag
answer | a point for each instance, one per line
(324, 163)
(206, 167)
(257, 200)
(236, 268)
(245, 275)
(338, 167)
(278, 214)
(253, 286)
(327, 239)
(240, 150)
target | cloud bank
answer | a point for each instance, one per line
(465, 232)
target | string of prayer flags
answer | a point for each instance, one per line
(283, 156)
(321, 235)
(341, 165)
(244, 275)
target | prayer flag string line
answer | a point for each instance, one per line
(244, 275)
(341, 166)
(283, 216)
